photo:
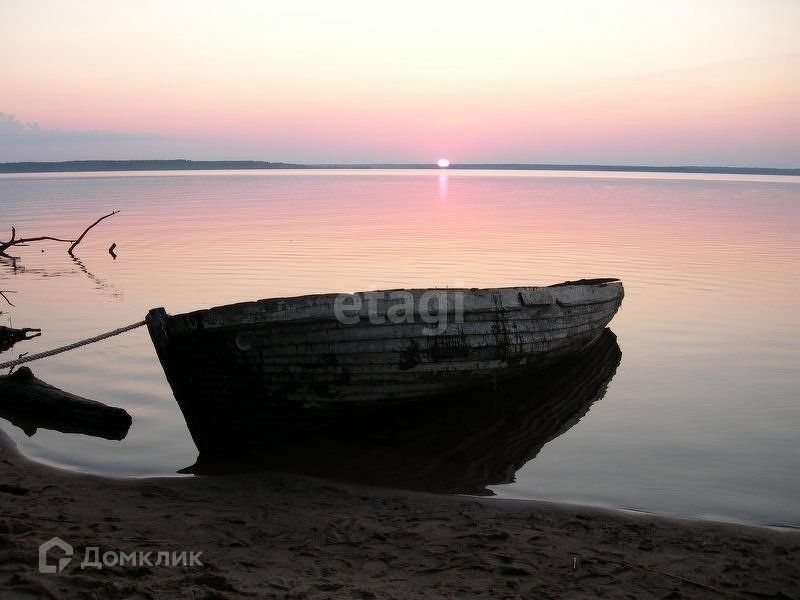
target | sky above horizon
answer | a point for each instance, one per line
(714, 82)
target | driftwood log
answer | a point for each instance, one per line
(30, 403)
(10, 336)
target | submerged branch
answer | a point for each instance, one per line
(10, 336)
(3, 294)
(26, 241)
(14, 241)
(85, 231)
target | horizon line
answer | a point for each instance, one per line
(187, 164)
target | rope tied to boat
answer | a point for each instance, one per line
(87, 341)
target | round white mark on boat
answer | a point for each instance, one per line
(245, 340)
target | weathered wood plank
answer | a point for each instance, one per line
(320, 307)
(475, 333)
(512, 342)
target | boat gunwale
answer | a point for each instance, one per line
(317, 302)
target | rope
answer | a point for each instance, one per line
(54, 351)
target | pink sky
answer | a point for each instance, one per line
(714, 82)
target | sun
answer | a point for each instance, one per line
(443, 163)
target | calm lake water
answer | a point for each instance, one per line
(701, 418)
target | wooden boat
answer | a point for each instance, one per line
(246, 374)
(464, 442)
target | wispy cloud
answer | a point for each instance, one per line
(21, 141)
(14, 131)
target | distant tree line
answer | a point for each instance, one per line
(138, 165)
(187, 165)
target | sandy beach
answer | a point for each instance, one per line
(270, 535)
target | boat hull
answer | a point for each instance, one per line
(249, 373)
(460, 444)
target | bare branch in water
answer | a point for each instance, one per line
(85, 231)
(14, 241)
(26, 241)
(3, 294)
(10, 336)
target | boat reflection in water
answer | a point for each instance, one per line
(468, 442)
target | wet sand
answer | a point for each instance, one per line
(268, 535)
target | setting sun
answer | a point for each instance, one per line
(443, 163)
